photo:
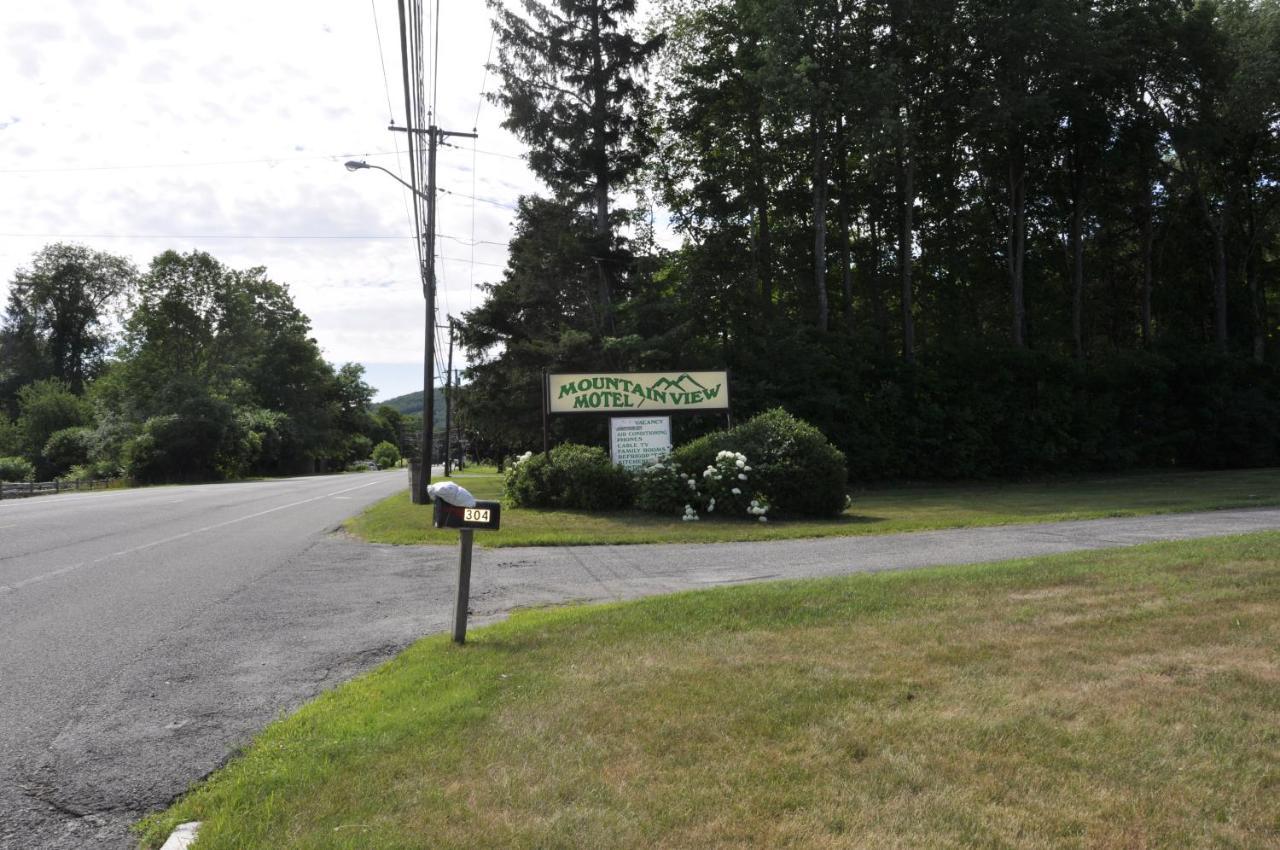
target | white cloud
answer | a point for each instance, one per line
(139, 126)
(131, 126)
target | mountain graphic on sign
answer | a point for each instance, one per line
(679, 385)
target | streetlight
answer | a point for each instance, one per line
(357, 165)
(419, 493)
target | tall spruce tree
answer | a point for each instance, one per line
(573, 291)
(568, 84)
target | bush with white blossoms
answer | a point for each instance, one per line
(727, 488)
(662, 489)
(723, 488)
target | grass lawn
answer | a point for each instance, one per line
(874, 511)
(1121, 699)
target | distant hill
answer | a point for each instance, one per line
(410, 404)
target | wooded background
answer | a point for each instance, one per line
(964, 239)
(987, 237)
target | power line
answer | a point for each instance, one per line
(195, 236)
(433, 21)
(471, 274)
(408, 120)
(474, 262)
(475, 128)
(485, 152)
(267, 160)
(444, 292)
(386, 87)
(146, 165)
(382, 61)
(470, 242)
(484, 80)
(435, 65)
(475, 198)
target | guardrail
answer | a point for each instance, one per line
(26, 489)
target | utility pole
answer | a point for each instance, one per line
(448, 403)
(434, 136)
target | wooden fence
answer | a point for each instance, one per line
(24, 489)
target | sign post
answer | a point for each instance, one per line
(463, 597)
(485, 515)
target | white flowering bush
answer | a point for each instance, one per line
(723, 488)
(798, 470)
(662, 489)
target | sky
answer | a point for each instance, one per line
(135, 127)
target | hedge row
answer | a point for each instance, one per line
(1011, 414)
(792, 468)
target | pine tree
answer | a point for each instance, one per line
(569, 87)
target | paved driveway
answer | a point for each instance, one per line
(506, 578)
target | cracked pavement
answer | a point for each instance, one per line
(149, 633)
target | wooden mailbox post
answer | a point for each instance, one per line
(484, 515)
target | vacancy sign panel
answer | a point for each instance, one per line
(635, 441)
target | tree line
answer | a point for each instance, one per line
(964, 238)
(186, 371)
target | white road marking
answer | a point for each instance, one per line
(9, 588)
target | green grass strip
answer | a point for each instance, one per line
(1126, 698)
(887, 510)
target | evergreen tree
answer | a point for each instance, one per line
(1064, 216)
(568, 84)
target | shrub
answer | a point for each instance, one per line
(110, 437)
(16, 469)
(726, 487)
(356, 447)
(385, 455)
(46, 407)
(662, 489)
(730, 487)
(67, 448)
(10, 436)
(569, 476)
(793, 465)
(102, 470)
(203, 441)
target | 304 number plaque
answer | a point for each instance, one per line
(485, 515)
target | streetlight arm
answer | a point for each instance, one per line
(357, 166)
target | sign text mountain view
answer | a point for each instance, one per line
(631, 391)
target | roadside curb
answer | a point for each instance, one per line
(182, 837)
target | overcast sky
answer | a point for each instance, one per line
(134, 127)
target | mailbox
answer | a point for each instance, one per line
(485, 515)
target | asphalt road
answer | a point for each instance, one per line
(144, 633)
(148, 633)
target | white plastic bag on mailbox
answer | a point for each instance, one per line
(451, 493)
